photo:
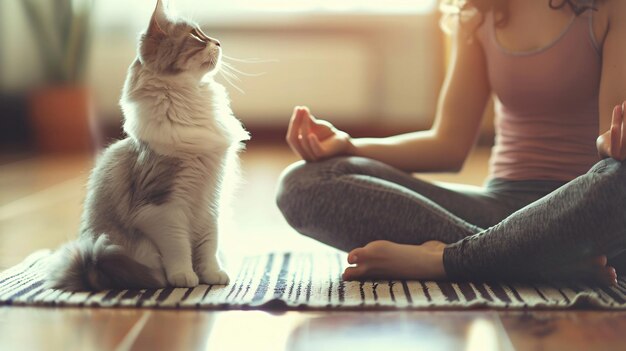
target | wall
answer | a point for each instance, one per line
(353, 68)
(350, 67)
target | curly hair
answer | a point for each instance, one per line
(501, 7)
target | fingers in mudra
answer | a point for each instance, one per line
(618, 130)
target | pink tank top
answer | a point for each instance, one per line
(546, 104)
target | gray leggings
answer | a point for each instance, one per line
(506, 230)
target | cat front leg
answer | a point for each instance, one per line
(208, 267)
(168, 228)
(206, 263)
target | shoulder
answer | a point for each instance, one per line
(610, 13)
(464, 26)
(615, 10)
(116, 155)
(461, 21)
(120, 147)
(613, 5)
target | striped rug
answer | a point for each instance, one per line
(301, 280)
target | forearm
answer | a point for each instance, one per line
(422, 151)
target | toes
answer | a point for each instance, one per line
(588, 266)
(612, 275)
(597, 267)
(607, 276)
(613, 272)
(593, 270)
(354, 273)
(356, 254)
(372, 251)
(600, 261)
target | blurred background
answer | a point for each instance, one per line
(371, 67)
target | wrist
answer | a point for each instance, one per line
(352, 147)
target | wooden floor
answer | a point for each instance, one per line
(40, 204)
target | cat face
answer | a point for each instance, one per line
(173, 47)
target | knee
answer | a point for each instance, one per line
(300, 188)
(290, 182)
(610, 170)
(607, 181)
(296, 186)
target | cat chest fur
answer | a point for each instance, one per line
(190, 181)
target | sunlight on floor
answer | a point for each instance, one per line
(257, 331)
(482, 335)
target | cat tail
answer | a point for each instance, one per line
(93, 264)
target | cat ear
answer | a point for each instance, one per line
(158, 20)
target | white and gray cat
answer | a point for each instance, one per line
(151, 213)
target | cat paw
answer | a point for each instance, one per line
(216, 277)
(183, 279)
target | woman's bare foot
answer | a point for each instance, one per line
(594, 269)
(387, 260)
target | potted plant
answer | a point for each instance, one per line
(60, 110)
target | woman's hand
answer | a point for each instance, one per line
(613, 142)
(314, 139)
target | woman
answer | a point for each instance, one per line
(554, 205)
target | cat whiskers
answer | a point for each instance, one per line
(230, 73)
(249, 60)
(231, 69)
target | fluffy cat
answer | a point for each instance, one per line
(150, 217)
